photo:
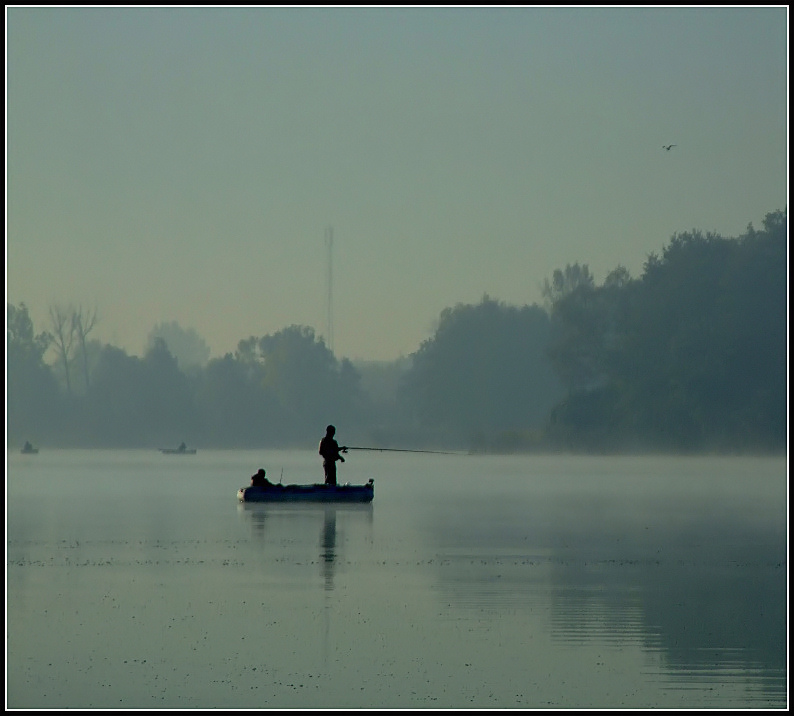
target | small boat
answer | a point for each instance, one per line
(181, 450)
(307, 493)
(28, 449)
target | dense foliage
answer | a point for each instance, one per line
(32, 394)
(692, 355)
(485, 372)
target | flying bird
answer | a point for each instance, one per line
(668, 147)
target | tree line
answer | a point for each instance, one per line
(689, 356)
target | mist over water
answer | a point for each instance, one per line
(136, 580)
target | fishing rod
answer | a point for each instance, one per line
(379, 449)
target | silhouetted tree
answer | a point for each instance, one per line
(485, 370)
(691, 356)
(312, 387)
(116, 400)
(185, 344)
(586, 331)
(64, 331)
(32, 397)
(169, 396)
(235, 408)
(138, 402)
(22, 344)
(565, 281)
(84, 322)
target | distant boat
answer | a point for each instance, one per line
(307, 493)
(181, 450)
(28, 449)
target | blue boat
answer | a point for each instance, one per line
(307, 493)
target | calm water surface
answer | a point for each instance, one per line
(136, 580)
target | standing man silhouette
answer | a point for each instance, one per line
(330, 451)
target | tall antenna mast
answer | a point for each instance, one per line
(329, 245)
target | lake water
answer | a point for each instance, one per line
(135, 580)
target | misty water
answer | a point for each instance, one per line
(136, 580)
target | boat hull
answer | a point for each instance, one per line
(177, 451)
(308, 493)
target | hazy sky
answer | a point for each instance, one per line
(184, 164)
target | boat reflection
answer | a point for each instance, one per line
(328, 547)
(285, 527)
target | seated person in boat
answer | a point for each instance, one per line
(258, 479)
(182, 447)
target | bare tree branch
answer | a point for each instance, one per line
(84, 322)
(63, 329)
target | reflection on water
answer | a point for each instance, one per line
(283, 523)
(696, 574)
(522, 582)
(328, 546)
(283, 533)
